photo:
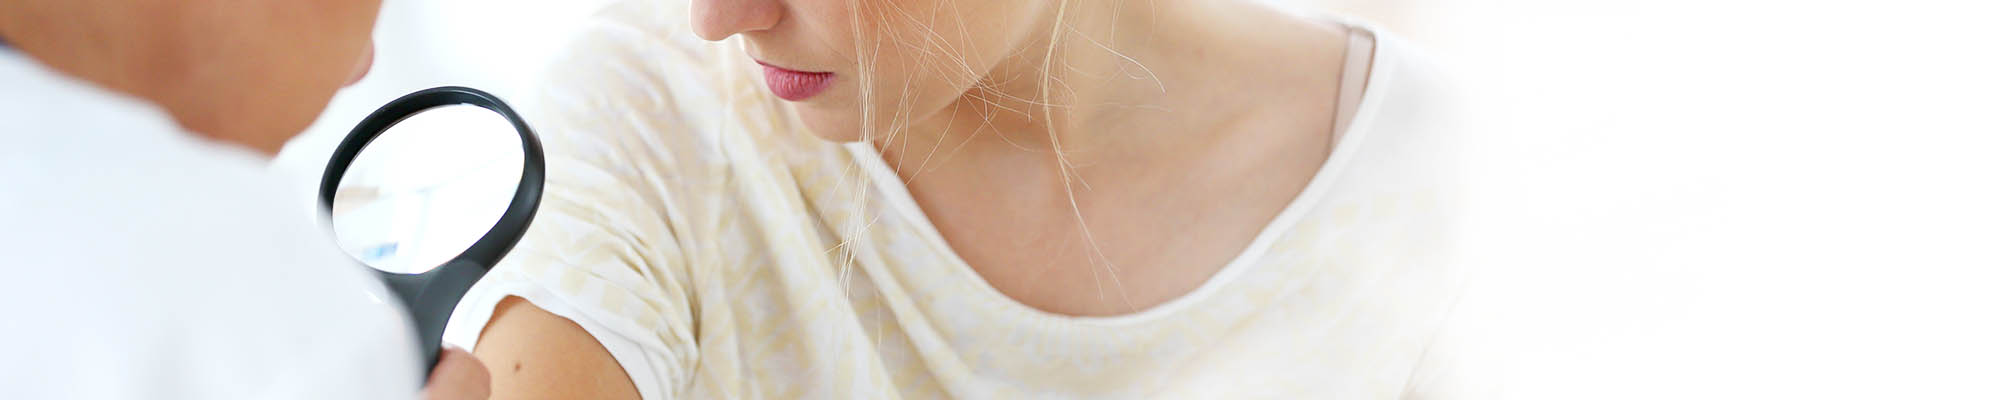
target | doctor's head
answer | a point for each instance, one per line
(845, 63)
(253, 73)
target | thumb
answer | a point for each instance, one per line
(458, 376)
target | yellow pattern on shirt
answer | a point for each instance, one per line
(720, 251)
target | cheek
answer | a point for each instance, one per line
(831, 20)
(926, 53)
(912, 58)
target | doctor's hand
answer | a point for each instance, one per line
(458, 376)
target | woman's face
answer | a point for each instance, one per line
(914, 58)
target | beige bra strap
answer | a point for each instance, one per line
(1360, 54)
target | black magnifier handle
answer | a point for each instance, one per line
(430, 297)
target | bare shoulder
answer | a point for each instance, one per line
(534, 354)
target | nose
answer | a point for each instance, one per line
(719, 19)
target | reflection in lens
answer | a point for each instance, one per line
(427, 188)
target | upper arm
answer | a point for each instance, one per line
(597, 300)
(593, 303)
(534, 354)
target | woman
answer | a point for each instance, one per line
(944, 198)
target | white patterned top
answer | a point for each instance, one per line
(691, 226)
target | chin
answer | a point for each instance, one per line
(840, 125)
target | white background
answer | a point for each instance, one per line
(1674, 199)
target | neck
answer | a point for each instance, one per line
(1123, 83)
(134, 49)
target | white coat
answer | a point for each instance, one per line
(141, 261)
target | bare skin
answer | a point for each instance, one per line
(253, 75)
(1170, 189)
(534, 354)
(1174, 173)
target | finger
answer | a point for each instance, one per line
(458, 376)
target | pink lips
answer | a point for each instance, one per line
(795, 85)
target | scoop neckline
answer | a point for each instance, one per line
(897, 194)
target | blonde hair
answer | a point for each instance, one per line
(865, 49)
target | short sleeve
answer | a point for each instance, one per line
(609, 247)
(597, 255)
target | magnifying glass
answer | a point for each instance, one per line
(431, 190)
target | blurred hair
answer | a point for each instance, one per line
(876, 130)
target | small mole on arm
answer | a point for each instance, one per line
(517, 366)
